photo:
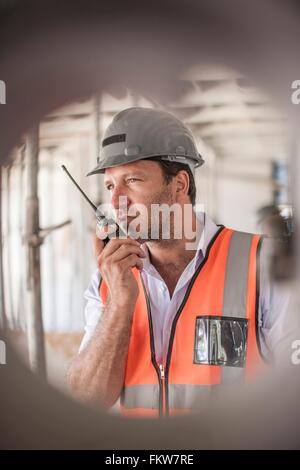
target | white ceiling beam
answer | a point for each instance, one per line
(241, 128)
(234, 113)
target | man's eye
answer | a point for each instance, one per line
(109, 187)
(132, 180)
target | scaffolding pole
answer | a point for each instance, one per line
(35, 330)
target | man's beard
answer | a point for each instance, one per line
(152, 225)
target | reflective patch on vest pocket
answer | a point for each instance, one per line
(220, 341)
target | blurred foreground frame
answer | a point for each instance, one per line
(53, 56)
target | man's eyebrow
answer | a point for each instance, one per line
(126, 175)
(134, 173)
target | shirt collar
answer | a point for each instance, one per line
(209, 230)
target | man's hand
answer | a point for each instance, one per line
(115, 261)
(97, 373)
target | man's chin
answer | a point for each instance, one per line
(125, 222)
(140, 239)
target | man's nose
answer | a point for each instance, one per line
(119, 198)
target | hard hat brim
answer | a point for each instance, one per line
(123, 160)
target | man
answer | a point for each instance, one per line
(169, 318)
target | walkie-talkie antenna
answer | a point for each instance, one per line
(101, 218)
(78, 187)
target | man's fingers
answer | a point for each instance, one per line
(103, 231)
(126, 250)
(139, 264)
(98, 246)
(131, 261)
(116, 243)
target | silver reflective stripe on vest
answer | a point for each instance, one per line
(180, 396)
(141, 396)
(183, 396)
(236, 275)
(235, 292)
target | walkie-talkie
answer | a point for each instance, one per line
(101, 219)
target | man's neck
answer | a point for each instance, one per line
(170, 257)
(170, 252)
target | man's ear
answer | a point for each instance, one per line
(182, 182)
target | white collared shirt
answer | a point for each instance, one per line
(273, 301)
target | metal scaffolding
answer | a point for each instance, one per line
(35, 331)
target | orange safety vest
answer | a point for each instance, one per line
(224, 287)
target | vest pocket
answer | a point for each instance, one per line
(220, 341)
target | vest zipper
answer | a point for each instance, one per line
(159, 371)
(162, 377)
(162, 371)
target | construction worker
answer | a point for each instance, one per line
(168, 322)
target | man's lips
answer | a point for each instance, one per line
(122, 216)
(125, 218)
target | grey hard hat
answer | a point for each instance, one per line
(139, 133)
